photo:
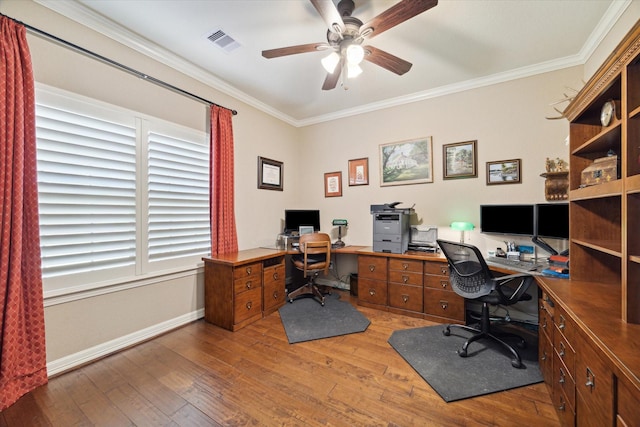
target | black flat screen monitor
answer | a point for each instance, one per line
(552, 220)
(507, 219)
(293, 219)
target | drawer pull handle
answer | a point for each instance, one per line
(275, 276)
(248, 305)
(544, 356)
(444, 270)
(562, 325)
(372, 292)
(275, 295)
(562, 404)
(591, 379)
(372, 267)
(248, 270)
(405, 279)
(248, 284)
(444, 284)
(544, 323)
(444, 304)
(561, 380)
(405, 298)
(562, 350)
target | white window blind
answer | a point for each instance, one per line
(178, 197)
(87, 192)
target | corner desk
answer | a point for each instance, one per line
(590, 359)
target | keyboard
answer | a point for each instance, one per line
(514, 263)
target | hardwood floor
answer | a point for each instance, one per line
(202, 375)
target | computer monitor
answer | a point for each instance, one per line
(507, 219)
(294, 218)
(552, 220)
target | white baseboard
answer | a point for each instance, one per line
(94, 353)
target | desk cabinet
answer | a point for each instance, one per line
(441, 303)
(241, 290)
(405, 286)
(372, 281)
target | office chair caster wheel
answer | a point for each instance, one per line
(516, 363)
(290, 301)
(446, 331)
(462, 352)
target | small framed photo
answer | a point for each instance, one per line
(460, 160)
(503, 172)
(270, 173)
(359, 171)
(333, 184)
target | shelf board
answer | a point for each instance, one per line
(634, 258)
(608, 138)
(607, 189)
(632, 184)
(604, 246)
(635, 112)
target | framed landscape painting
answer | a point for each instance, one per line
(406, 162)
(503, 172)
(460, 160)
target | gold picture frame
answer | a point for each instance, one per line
(504, 172)
(460, 160)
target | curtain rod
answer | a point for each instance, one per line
(116, 64)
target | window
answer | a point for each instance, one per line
(122, 195)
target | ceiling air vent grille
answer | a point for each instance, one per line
(223, 41)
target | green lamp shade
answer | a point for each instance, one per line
(462, 226)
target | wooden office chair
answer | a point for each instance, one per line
(472, 279)
(315, 257)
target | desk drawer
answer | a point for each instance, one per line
(248, 283)
(372, 291)
(565, 352)
(437, 282)
(405, 278)
(436, 268)
(372, 267)
(563, 381)
(406, 297)
(248, 304)
(247, 270)
(405, 265)
(443, 304)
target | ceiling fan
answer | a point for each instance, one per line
(346, 35)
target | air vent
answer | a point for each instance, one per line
(223, 41)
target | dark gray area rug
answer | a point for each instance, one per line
(305, 319)
(486, 369)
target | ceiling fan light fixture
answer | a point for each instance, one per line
(330, 62)
(355, 54)
(353, 70)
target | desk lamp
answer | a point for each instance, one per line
(339, 222)
(462, 226)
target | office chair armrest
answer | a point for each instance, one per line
(519, 291)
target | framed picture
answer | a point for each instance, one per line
(460, 160)
(269, 174)
(503, 172)
(333, 184)
(406, 162)
(359, 171)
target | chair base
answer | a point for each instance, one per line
(310, 289)
(485, 332)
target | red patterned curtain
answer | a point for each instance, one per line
(221, 198)
(23, 364)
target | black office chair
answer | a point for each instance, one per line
(315, 258)
(472, 279)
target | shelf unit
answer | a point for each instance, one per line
(604, 219)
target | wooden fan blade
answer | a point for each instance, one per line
(386, 60)
(292, 50)
(331, 80)
(330, 14)
(395, 15)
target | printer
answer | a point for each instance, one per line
(391, 231)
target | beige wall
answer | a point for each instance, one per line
(507, 120)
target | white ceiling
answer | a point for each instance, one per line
(457, 45)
